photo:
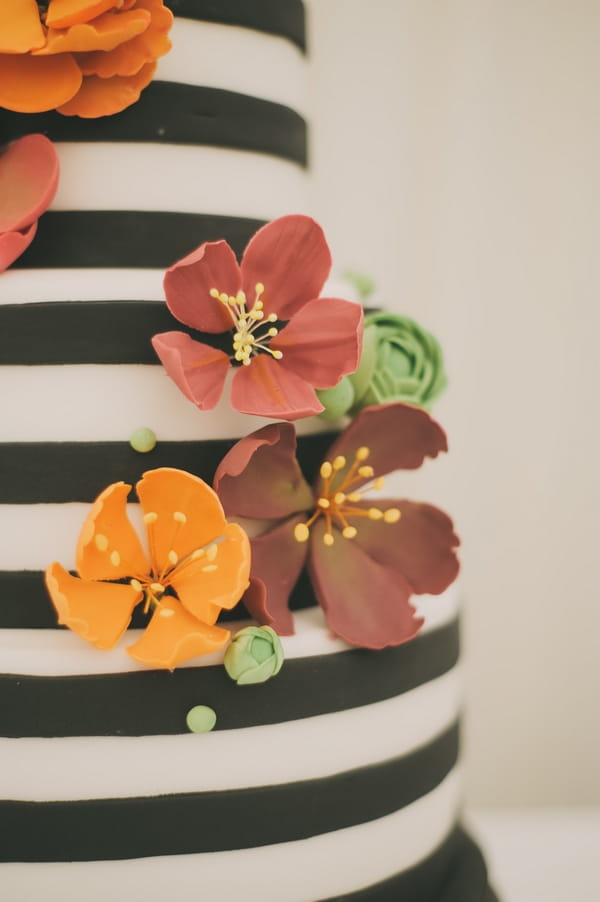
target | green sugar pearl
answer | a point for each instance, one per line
(201, 719)
(143, 440)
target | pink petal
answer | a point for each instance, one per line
(13, 244)
(260, 477)
(291, 258)
(197, 369)
(399, 437)
(277, 559)
(365, 603)
(188, 284)
(322, 342)
(28, 181)
(420, 546)
(266, 388)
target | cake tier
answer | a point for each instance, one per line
(341, 772)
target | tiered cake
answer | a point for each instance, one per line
(338, 777)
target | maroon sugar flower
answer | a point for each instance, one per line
(365, 557)
(28, 182)
(285, 339)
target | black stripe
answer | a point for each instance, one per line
(185, 823)
(60, 472)
(154, 702)
(281, 17)
(455, 872)
(129, 238)
(173, 113)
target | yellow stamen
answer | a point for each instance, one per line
(324, 503)
(135, 584)
(166, 612)
(326, 470)
(211, 552)
(179, 517)
(362, 453)
(392, 515)
(339, 497)
(115, 558)
(172, 557)
(328, 539)
(339, 463)
(301, 532)
(366, 472)
(210, 568)
(374, 513)
(158, 588)
(349, 532)
(150, 518)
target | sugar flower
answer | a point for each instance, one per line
(282, 339)
(28, 181)
(365, 556)
(196, 564)
(84, 58)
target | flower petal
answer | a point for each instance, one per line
(197, 369)
(365, 603)
(188, 284)
(277, 560)
(104, 33)
(128, 58)
(204, 586)
(96, 611)
(105, 96)
(170, 493)
(322, 342)
(399, 437)
(28, 181)
(20, 26)
(13, 244)
(420, 546)
(291, 258)
(266, 389)
(108, 546)
(32, 84)
(173, 636)
(260, 477)
(64, 13)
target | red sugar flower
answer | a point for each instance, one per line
(285, 340)
(365, 557)
(28, 181)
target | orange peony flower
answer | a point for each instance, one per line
(196, 564)
(84, 58)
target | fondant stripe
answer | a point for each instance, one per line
(129, 238)
(188, 823)
(34, 286)
(193, 180)
(79, 471)
(50, 769)
(105, 403)
(31, 643)
(153, 702)
(169, 113)
(281, 17)
(253, 58)
(357, 856)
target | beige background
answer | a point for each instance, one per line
(456, 148)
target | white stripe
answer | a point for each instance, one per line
(302, 871)
(61, 653)
(95, 403)
(179, 178)
(50, 769)
(28, 286)
(236, 59)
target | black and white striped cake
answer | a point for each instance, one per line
(341, 773)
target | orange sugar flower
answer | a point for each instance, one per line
(195, 565)
(84, 58)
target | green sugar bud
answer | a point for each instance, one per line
(143, 440)
(200, 719)
(337, 400)
(254, 656)
(407, 363)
